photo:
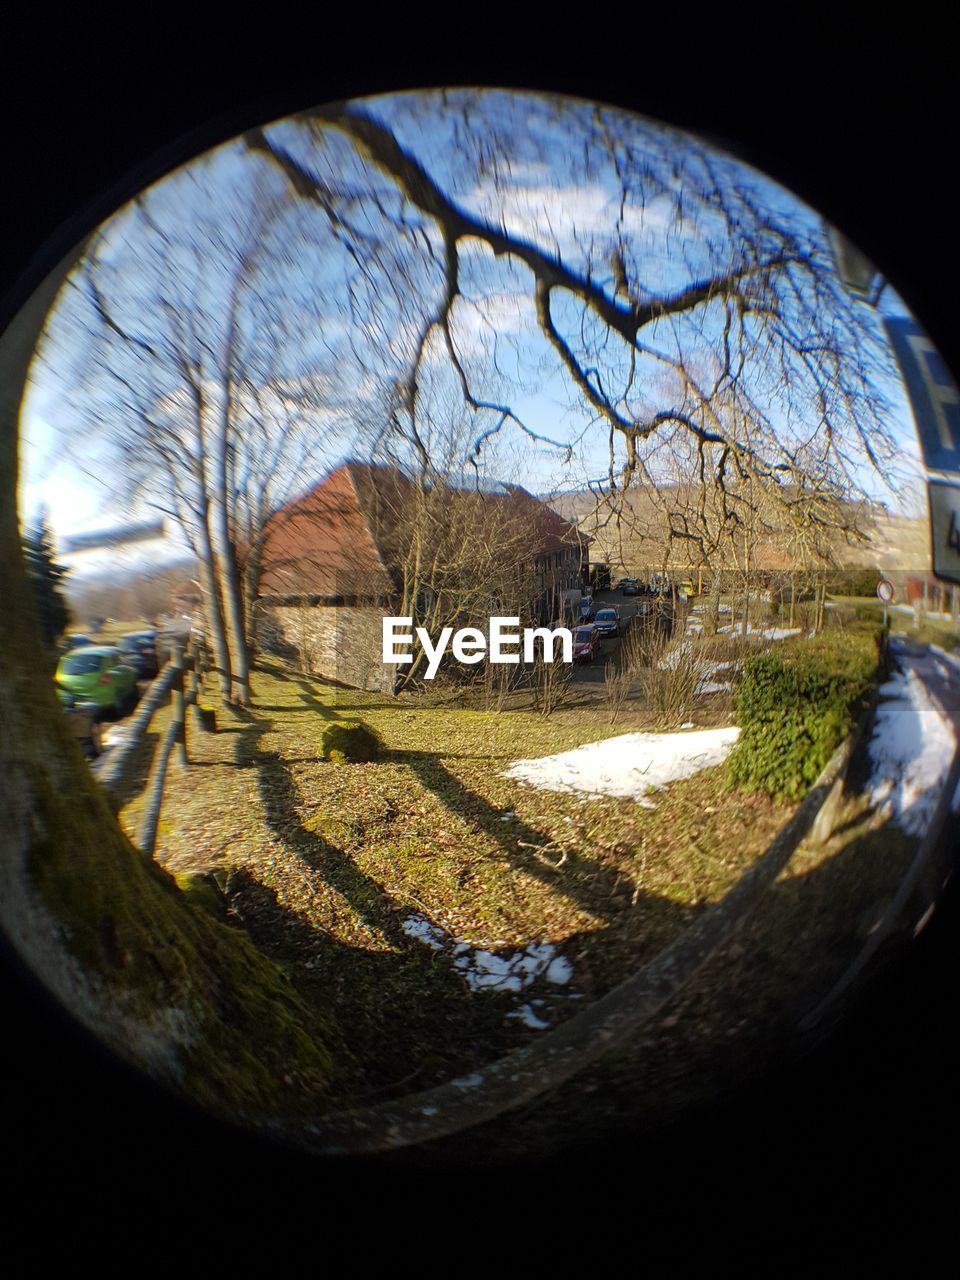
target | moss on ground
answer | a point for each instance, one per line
(243, 1042)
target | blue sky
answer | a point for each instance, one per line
(554, 194)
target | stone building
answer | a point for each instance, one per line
(340, 558)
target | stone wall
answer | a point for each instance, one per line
(340, 642)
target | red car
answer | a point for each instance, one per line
(586, 644)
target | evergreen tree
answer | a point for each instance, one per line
(46, 576)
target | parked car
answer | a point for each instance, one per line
(586, 643)
(607, 622)
(585, 609)
(631, 587)
(69, 643)
(98, 674)
(140, 649)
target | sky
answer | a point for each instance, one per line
(558, 196)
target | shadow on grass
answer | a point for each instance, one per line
(307, 693)
(408, 1016)
(737, 1020)
(411, 1021)
(587, 882)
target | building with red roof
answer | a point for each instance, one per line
(342, 556)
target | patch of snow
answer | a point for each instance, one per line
(483, 969)
(910, 751)
(419, 927)
(944, 654)
(768, 633)
(926, 613)
(529, 1018)
(468, 1082)
(671, 658)
(631, 764)
(706, 685)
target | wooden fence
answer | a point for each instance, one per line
(177, 682)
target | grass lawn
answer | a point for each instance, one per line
(932, 629)
(330, 869)
(326, 863)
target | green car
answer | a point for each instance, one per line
(97, 674)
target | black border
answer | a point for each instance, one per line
(863, 128)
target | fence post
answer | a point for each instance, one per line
(191, 660)
(176, 700)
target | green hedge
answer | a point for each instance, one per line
(853, 582)
(349, 742)
(795, 705)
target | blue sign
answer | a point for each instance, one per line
(933, 394)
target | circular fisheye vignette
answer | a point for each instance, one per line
(407, 360)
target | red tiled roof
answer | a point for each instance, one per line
(343, 536)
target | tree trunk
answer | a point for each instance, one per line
(821, 603)
(711, 620)
(229, 576)
(251, 589)
(236, 625)
(104, 928)
(213, 608)
(745, 620)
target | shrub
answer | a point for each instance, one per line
(500, 680)
(551, 684)
(672, 679)
(616, 689)
(731, 647)
(349, 742)
(853, 582)
(795, 705)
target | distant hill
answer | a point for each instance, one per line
(895, 544)
(128, 591)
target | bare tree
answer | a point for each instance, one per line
(701, 307)
(196, 387)
(489, 244)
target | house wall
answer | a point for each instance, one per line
(339, 642)
(557, 573)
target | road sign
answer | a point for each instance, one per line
(945, 529)
(120, 535)
(885, 590)
(933, 394)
